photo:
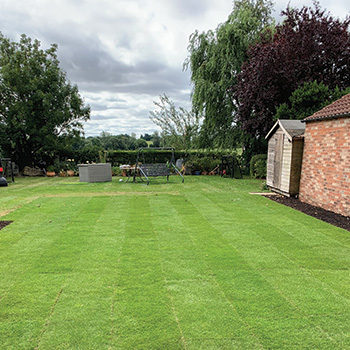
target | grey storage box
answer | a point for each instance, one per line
(101, 172)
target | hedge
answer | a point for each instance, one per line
(117, 158)
(258, 166)
(195, 160)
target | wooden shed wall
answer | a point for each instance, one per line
(270, 161)
(285, 179)
(286, 165)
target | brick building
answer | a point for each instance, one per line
(325, 174)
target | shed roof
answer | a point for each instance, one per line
(338, 109)
(292, 128)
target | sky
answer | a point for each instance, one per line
(124, 54)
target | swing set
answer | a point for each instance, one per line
(148, 170)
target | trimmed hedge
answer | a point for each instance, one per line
(258, 166)
(195, 160)
(117, 158)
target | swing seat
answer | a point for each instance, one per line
(154, 170)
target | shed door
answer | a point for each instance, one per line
(277, 166)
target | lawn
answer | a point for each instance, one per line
(199, 265)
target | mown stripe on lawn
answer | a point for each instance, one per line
(82, 319)
(203, 310)
(143, 313)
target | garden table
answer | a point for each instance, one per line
(128, 170)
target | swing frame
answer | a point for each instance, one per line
(148, 170)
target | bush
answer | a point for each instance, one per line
(258, 166)
(207, 162)
(116, 171)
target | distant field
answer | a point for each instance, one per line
(199, 265)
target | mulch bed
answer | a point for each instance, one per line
(4, 223)
(319, 213)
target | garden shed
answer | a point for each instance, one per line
(325, 177)
(284, 158)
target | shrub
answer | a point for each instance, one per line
(258, 166)
(116, 171)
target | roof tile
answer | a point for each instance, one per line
(337, 109)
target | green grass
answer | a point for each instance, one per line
(199, 265)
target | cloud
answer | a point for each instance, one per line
(123, 54)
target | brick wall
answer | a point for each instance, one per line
(325, 175)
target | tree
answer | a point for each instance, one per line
(215, 59)
(141, 143)
(39, 108)
(308, 46)
(156, 139)
(308, 99)
(146, 137)
(178, 125)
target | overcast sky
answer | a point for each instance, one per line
(123, 54)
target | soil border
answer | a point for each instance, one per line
(4, 223)
(328, 216)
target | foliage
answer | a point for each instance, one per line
(208, 162)
(51, 168)
(202, 164)
(215, 59)
(117, 158)
(179, 125)
(72, 165)
(309, 45)
(111, 142)
(251, 146)
(156, 139)
(102, 156)
(40, 111)
(308, 99)
(116, 171)
(146, 137)
(88, 154)
(129, 157)
(258, 166)
(226, 169)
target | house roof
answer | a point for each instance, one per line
(292, 128)
(337, 109)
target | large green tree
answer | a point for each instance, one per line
(215, 59)
(310, 47)
(40, 110)
(308, 99)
